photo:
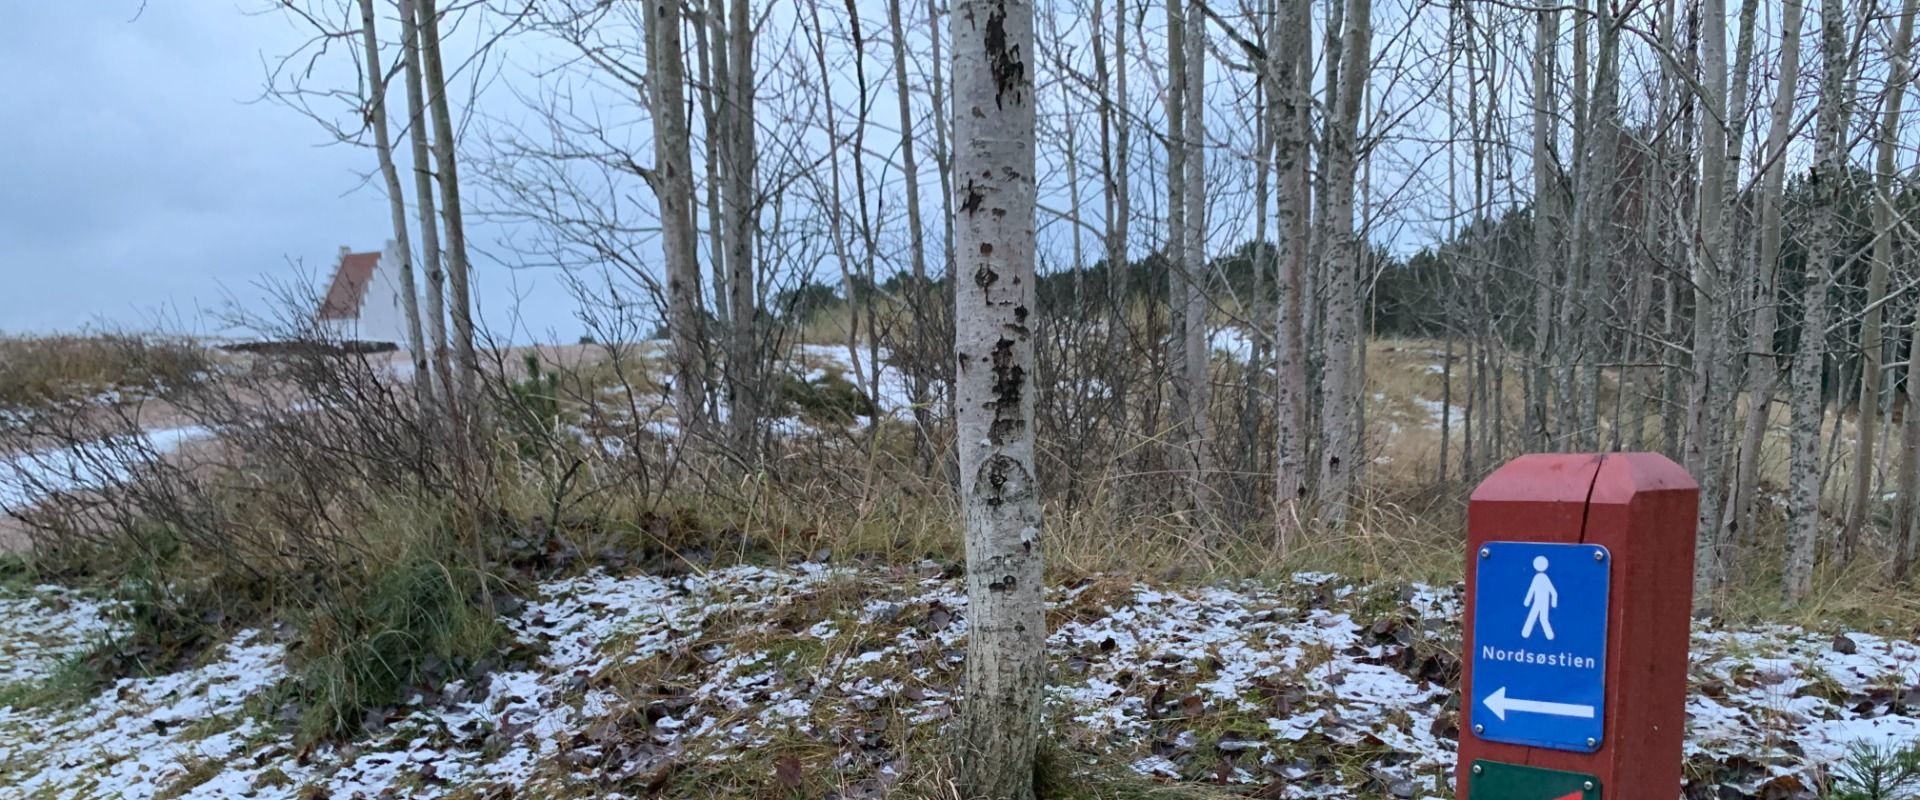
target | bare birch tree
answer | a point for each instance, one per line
(1887, 232)
(447, 169)
(741, 167)
(1192, 387)
(426, 205)
(1872, 332)
(1763, 369)
(1117, 174)
(1341, 382)
(1711, 305)
(672, 182)
(1289, 77)
(1180, 274)
(377, 80)
(993, 224)
(1545, 219)
(916, 230)
(1828, 175)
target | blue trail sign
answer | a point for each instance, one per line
(1540, 644)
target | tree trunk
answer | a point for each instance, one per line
(1070, 155)
(1871, 331)
(999, 493)
(1603, 151)
(1829, 174)
(1546, 253)
(672, 180)
(396, 204)
(709, 46)
(942, 151)
(1175, 251)
(1705, 437)
(1764, 369)
(916, 232)
(1571, 303)
(1122, 227)
(450, 212)
(430, 256)
(740, 164)
(1292, 118)
(1341, 385)
(1906, 536)
(1196, 382)
(1114, 140)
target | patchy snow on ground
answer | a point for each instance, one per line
(895, 399)
(1455, 415)
(30, 477)
(1233, 341)
(42, 627)
(1316, 687)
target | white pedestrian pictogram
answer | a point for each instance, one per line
(1541, 599)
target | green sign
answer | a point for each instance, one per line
(1492, 780)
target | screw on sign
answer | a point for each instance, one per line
(1579, 588)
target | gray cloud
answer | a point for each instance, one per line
(137, 173)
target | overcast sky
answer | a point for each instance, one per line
(139, 179)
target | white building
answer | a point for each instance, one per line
(362, 303)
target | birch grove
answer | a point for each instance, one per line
(1275, 274)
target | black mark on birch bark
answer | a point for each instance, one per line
(1002, 480)
(1009, 380)
(1009, 71)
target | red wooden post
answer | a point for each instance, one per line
(1643, 509)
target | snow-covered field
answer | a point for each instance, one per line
(647, 684)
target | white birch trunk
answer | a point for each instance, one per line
(1763, 371)
(1341, 384)
(1803, 501)
(1900, 65)
(1292, 111)
(1871, 333)
(672, 180)
(1704, 435)
(425, 205)
(994, 353)
(916, 231)
(396, 203)
(447, 169)
(1197, 381)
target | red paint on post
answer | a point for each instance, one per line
(1644, 509)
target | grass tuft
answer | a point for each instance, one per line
(411, 615)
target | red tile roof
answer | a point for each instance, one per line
(349, 286)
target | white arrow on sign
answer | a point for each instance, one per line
(1499, 703)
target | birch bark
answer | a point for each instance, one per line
(396, 203)
(1803, 500)
(993, 224)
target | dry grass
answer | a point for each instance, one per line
(52, 369)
